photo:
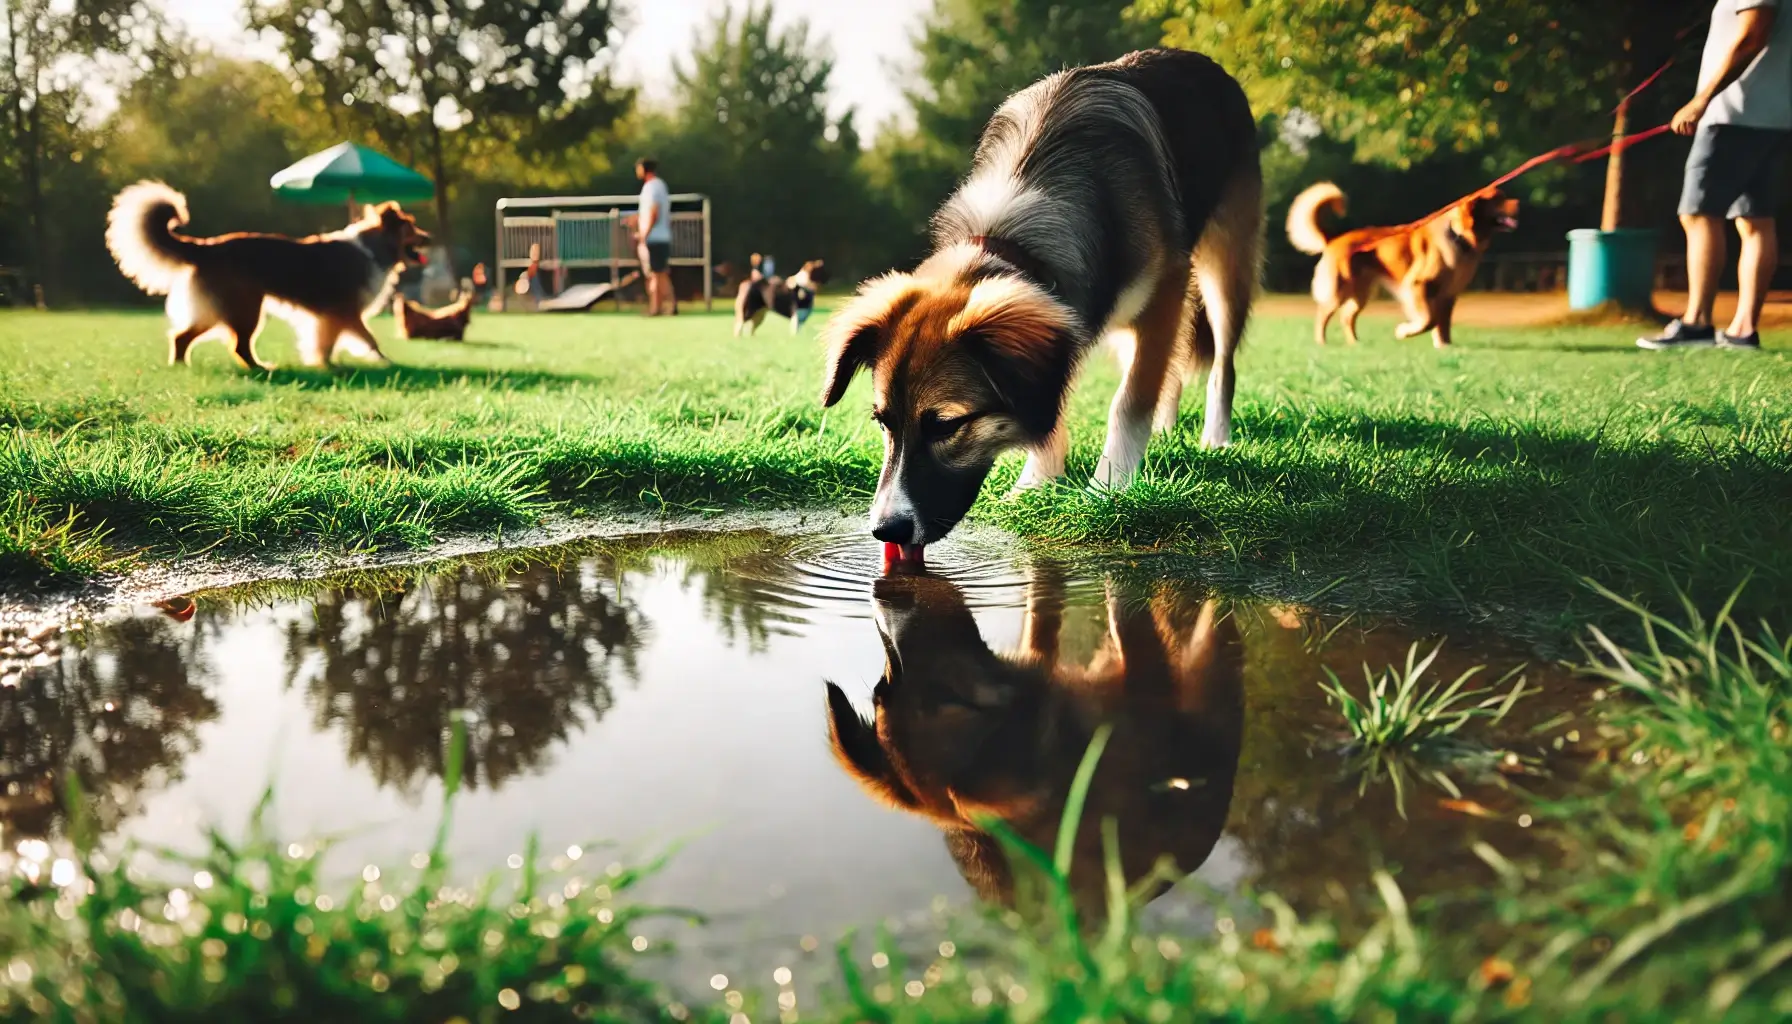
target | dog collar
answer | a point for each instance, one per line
(1011, 253)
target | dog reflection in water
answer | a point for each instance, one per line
(961, 734)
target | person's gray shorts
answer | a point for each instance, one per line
(1734, 171)
(659, 256)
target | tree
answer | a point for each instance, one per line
(438, 78)
(1405, 80)
(751, 129)
(46, 59)
(971, 55)
(239, 121)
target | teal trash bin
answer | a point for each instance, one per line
(1611, 266)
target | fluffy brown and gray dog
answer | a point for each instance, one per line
(325, 286)
(1122, 197)
(961, 734)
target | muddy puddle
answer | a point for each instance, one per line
(819, 743)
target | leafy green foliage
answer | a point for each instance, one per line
(750, 128)
(1404, 81)
(235, 115)
(970, 56)
(48, 54)
(439, 78)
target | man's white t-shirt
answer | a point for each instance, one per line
(1762, 97)
(656, 196)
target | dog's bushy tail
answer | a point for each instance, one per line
(140, 233)
(1304, 229)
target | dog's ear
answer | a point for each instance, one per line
(1025, 341)
(855, 745)
(851, 334)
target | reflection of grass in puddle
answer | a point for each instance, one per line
(1402, 727)
(1662, 898)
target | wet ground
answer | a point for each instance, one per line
(829, 747)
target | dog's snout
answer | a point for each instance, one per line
(894, 528)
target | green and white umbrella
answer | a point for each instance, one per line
(349, 173)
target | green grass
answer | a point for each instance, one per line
(1662, 899)
(1481, 483)
(38, 545)
(1400, 712)
(1403, 726)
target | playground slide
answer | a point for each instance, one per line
(576, 299)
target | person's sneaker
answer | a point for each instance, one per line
(1680, 335)
(1751, 342)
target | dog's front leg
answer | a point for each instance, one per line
(1129, 431)
(1420, 315)
(1046, 462)
(1145, 363)
(1169, 404)
(1446, 311)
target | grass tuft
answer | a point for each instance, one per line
(1400, 712)
(39, 546)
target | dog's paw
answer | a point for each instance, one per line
(1110, 479)
(1028, 482)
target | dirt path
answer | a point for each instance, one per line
(1535, 309)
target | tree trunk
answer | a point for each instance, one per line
(1614, 173)
(438, 168)
(33, 150)
(24, 53)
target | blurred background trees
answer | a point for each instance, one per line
(1406, 103)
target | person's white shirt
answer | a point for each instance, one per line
(656, 196)
(1762, 97)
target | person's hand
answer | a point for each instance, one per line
(1686, 119)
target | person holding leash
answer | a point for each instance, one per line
(653, 233)
(1741, 122)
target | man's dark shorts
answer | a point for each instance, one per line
(659, 256)
(1734, 171)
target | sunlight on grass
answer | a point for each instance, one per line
(38, 546)
(1480, 483)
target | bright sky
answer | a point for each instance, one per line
(870, 40)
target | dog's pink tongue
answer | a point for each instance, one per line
(905, 556)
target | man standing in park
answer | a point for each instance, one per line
(653, 235)
(1741, 121)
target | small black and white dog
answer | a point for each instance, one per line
(792, 297)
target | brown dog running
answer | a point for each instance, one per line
(325, 285)
(449, 323)
(1426, 265)
(963, 736)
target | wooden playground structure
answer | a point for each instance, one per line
(594, 233)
